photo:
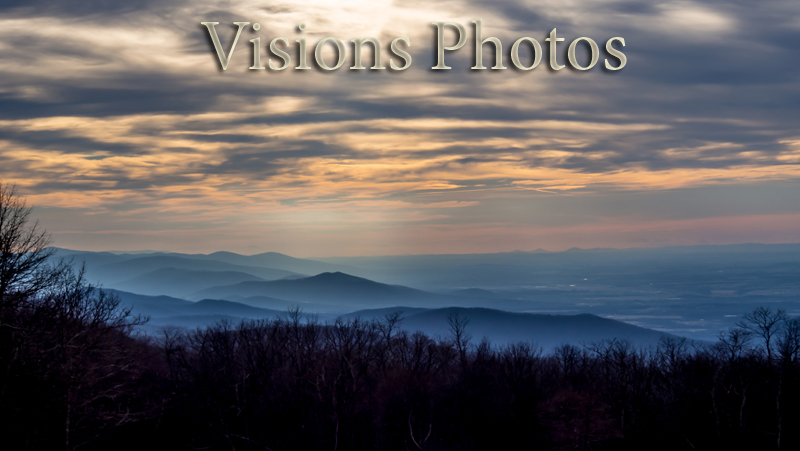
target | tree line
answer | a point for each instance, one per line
(76, 373)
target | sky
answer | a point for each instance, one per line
(118, 125)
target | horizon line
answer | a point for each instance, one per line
(516, 251)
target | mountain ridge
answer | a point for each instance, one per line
(323, 288)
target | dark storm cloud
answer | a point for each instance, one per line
(80, 8)
(62, 142)
(261, 162)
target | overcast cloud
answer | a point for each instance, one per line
(117, 123)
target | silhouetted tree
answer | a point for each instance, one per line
(765, 324)
(23, 252)
(68, 361)
(458, 333)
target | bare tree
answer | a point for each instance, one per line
(789, 342)
(23, 251)
(764, 323)
(90, 353)
(733, 344)
(61, 339)
(459, 335)
(389, 324)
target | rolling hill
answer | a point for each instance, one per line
(500, 327)
(127, 269)
(181, 282)
(328, 289)
(156, 306)
(217, 307)
(693, 291)
(162, 308)
(275, 260)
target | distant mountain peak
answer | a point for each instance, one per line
(538, 250)
(262, 254)
(222, 253)
(271, 253)
(337, 276)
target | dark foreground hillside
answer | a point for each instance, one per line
(74, 377)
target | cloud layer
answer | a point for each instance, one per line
(117, 122)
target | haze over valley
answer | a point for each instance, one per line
(576, 296)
